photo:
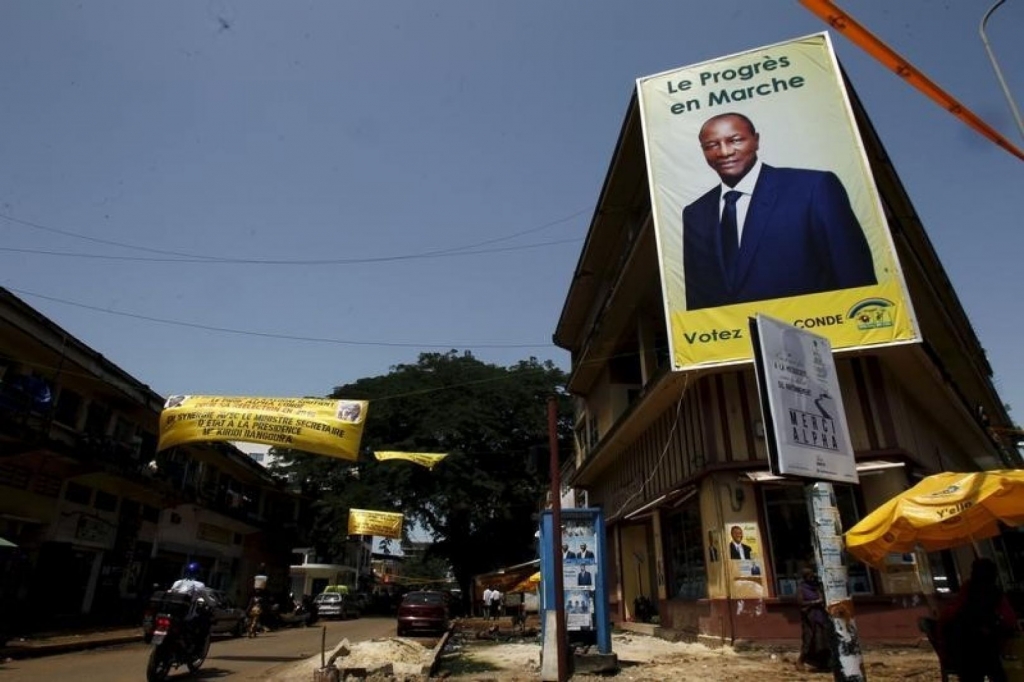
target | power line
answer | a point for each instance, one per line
(510, 374)
(454, 251)
(183, 257)
(273, 335)
(96, 240)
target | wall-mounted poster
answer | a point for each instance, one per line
(746, 561)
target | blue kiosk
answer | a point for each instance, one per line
(584, 556)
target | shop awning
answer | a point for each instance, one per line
(871, 466)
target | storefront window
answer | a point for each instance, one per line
(685, 551)
(789, 536)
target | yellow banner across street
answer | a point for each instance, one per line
(428, 460)
(322, 426)
(366, 522)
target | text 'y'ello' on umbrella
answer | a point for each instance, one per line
(941, 512)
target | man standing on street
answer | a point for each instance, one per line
(487, 602)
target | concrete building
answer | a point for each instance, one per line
(310, 576)
(96, 514)
(678, 458)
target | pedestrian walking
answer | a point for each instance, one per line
(495, 604)
(486, 603)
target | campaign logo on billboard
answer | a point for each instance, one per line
(763, 202)
(873, 313)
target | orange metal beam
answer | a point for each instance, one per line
(841, 21)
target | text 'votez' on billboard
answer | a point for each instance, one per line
(763, 202)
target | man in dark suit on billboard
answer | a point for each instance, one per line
(767, 232)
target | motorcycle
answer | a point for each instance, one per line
(310, 609)
(179, 639)
(305, 613)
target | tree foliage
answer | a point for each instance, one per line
(480, 502)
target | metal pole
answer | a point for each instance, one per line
(995, 67)
(827, 540)
(556, 539)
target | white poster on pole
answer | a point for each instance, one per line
(801, 403)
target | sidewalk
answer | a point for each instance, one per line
(48, 644)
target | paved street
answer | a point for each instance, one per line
(237, 659)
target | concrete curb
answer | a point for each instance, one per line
(40, 649)
(435, 656)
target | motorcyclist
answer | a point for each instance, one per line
(189, 583)
(197, 620)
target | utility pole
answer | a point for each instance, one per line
(827, 539)
(561, 646)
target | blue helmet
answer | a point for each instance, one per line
(193, 570)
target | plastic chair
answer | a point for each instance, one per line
(930, 627)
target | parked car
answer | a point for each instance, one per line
(423, 611)
(362, 601)
(336, 605)
(227, 617)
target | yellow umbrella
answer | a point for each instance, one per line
(942, 511)
(527, 585)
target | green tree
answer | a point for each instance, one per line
(480, 502)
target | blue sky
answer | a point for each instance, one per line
(394, 130)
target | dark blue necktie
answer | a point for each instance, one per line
(730, 232)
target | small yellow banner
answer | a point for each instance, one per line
(422, 458)
(322, 426)
(385, 524)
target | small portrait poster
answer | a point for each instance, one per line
(745, 560)
(579, 609)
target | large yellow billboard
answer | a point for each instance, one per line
(763, 202)
(321, 426)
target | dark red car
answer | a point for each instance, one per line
(426, 611)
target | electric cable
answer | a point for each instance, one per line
(273, 335)
(183, 257)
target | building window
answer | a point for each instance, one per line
(661, 355)
(789, 536)
(581, 437)
(68, 405)
(78, 493)
(147, 450)
(130, 509)
(97, 419)
(150, 513)
(105, 501)
(685, 551)
(124, 430)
